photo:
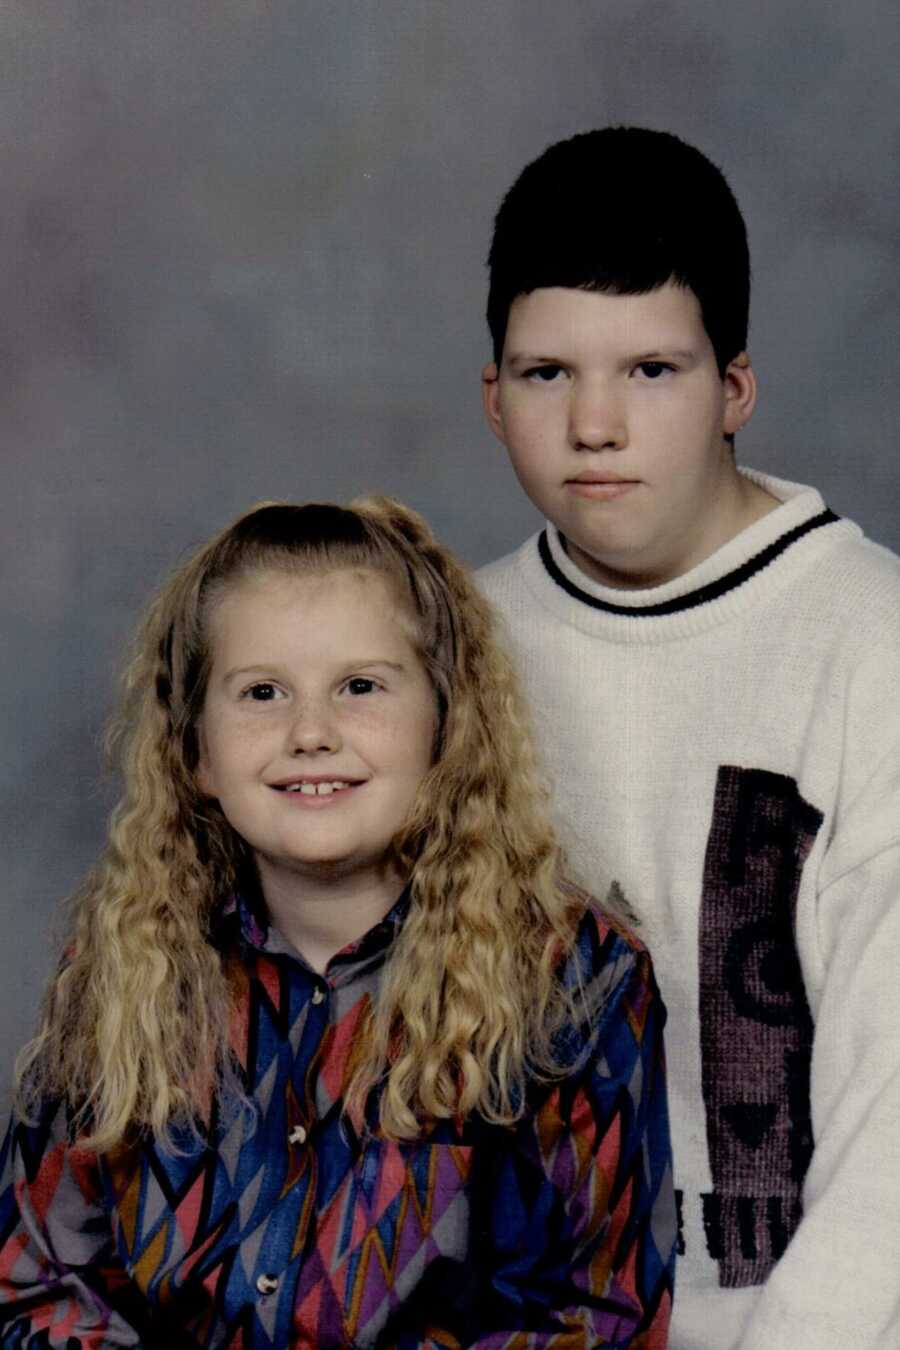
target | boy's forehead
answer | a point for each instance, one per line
(670, 314)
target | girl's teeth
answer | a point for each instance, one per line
(316, 789)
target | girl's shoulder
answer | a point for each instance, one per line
(607, 927)
(608, 972)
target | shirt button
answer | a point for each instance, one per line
(267, 1284)
(318, 994)
(297, 1135)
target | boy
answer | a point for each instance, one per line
(713, 659)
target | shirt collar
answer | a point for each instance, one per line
(244, 918)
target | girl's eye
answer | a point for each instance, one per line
(652, 370)
(360, 685)
(263, 692)
(544, 374)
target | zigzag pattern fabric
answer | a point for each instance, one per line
(284, 1227)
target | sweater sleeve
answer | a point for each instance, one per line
(583, 1226)
(838, 1282)
(60, 1282)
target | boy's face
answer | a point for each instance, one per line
(614, 414)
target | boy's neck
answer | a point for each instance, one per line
(745, 502)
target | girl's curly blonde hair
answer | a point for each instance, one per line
(134, 1031)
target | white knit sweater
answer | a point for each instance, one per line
(727, 746)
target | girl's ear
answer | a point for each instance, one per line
(740, 393)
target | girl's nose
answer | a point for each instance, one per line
(314, 729)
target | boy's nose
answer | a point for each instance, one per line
(597, 420)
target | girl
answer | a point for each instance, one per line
(336, 1057)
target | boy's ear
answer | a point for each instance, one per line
(740, 393)
(490, 397)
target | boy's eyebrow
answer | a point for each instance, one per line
(530, 357)
(681, 353)
(652, 354)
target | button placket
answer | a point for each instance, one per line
(299, 1134)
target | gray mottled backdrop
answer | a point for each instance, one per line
(242, 256)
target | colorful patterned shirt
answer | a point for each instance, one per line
(287, 1228)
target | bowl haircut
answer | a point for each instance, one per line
(623, 211)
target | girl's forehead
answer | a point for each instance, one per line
(287, 582)
(266, 594)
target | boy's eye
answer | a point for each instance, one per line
(263, 692)
(545, 374)
(360, 685)
(652, 370)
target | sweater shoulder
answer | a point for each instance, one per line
(855, 589)
(500, 578)
(868, 570)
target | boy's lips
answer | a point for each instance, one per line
(600, 486)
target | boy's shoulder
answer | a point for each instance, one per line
(870, 568)
(856, 588)
(489, 572)
(503, 576)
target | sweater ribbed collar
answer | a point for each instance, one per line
(735, 577)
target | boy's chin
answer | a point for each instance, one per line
(621, 570)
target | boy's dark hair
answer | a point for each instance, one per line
(623, 210)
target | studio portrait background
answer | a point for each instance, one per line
(243, 248)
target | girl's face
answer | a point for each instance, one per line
(318, 723)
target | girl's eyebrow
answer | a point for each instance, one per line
(367, 664)
(267, 669)
(244, 670)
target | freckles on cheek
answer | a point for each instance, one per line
(227, 736)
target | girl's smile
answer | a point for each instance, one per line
(317, 788)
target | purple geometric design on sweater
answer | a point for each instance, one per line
(756, 1029)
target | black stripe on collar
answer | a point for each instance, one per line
(704, 594)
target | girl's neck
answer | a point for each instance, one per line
(320, 915)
